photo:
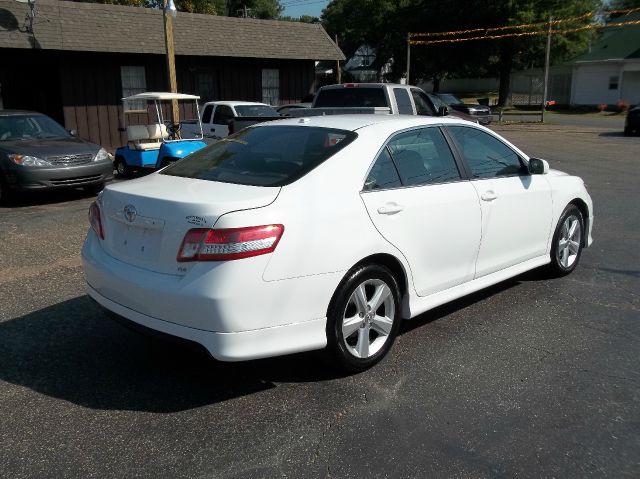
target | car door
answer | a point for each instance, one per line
(220, 124)
(516, 206)
(418, 200)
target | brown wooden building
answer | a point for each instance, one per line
(80, 59)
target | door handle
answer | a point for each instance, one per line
(489, 195)
(390, 209)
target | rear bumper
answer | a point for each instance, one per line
(24, 178)
(226, 307)
(237, 346)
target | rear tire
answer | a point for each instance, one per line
(628, 131)
(568, 240)
(363, 318)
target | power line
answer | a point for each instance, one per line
(515, 27)
(525, 34)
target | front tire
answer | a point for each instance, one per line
(363, 318)
(568, 240)
(628, 131)
(121, 167)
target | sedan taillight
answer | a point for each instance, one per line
(95, 220)
(204, 244)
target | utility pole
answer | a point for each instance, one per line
(171, 62)
(546, 72)
(338, 71)
(408, 55)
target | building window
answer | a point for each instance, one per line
(613, 83)
(270, 86)
(205, 86)
(133, 82)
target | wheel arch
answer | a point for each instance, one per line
(584, 210)
(393, 264)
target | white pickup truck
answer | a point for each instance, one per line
(217, 116)
(377, 98)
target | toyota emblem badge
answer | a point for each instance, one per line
(130, 213)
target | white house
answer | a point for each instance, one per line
(610, 70)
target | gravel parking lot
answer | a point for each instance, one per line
(534, 377)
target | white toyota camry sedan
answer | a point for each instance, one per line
(326, 232)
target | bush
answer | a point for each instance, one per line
(622, 106)
(602, 107)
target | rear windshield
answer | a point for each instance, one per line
(263, 156)
(256, 110)
(356, 97)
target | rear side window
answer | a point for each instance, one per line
(423, 157)
(263, 156)
(403, 101)
(356, 97)
(423, 106)
(383, 174)
(487, 156)
(222, 115)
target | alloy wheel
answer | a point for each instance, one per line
(368, 318)
(569, 241)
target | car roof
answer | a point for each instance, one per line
(356, 122)
(18, 112)
(234, 103)
(365, 85)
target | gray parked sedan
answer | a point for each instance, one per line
(38, 153)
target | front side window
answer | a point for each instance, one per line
(423, 157)
(133, 82)
(263, 156)
(487, 156)
(206, 114)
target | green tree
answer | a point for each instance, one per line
(267, 9)
(383, 25)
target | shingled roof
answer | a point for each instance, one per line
(616, 43)
(96, 27)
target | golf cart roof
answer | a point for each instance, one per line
(154, 95)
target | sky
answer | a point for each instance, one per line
(295, 8)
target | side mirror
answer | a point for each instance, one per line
(538, 166)
(73, 132)
(443, 111)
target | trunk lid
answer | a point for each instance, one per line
(145, 220)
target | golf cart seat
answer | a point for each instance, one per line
(146, 137)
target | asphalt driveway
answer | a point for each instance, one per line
(534, 377)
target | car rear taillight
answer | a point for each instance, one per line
(95, 220)
(204, 244)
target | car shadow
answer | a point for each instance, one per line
(618, 134)
(72, 351)
(39, 198)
